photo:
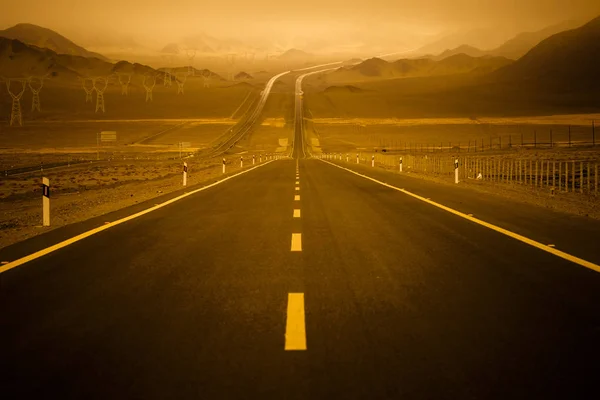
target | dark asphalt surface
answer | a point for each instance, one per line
(403, 300)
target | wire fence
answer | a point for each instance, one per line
(543, 138)
(576, 176)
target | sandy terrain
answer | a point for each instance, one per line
(89, 190)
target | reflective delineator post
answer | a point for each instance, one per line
(346, 157)
(372, 161)
(223, 165)
(241, 162)
(253, 159)
(400, 164)
(45, 202)
(456, 171)
(260, 158)
(184, 174)
(357, 158)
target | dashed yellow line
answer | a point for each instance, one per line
(295, 327)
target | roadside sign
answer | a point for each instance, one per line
(108, 136)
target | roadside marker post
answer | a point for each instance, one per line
(253, 159)
(260, 158)
(45, 202)
(456, 170)
(184, 174)
(372, 161)
(357, 158)
(346, 157)
(241, 162)
(223, 164)
(400, 164)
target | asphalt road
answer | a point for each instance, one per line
(401, 300)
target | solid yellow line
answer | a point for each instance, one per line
(531, 242)
(295, 329)
(296, 213)
(296, 242)
(89, 233)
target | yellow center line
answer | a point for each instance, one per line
(296, 242)
(295, 327)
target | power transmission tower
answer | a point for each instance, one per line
(35, 104)
(168, 71)
(15, 114)
(191, 53)
(206, 78)
(231, 64)
(100, 91)
(181, 77)
(148, 87)
(124, 83)
(88, 91)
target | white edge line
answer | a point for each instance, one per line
(531, 242)
(101, 228)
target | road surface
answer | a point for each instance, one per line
(401, 300)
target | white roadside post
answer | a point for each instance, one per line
(45, 202)
(184, 174)
(400, 164)
(241, 162)
(260, 158)
(346, 157)
(253, 159)
(456, 171)
(357, 158)
(223, 164)
(372, 161)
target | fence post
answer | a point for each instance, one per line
(589, 172)
(596, 179)
(581, 181)
(573, 174)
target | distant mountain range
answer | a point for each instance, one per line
(569, 59)
(19, 60)
(512, 49)
(48, 39)
(376, 68)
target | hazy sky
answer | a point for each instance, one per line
(161, 21)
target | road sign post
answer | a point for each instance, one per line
(185, 170)
(456, 170)
(104, 136)
(45, 202)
